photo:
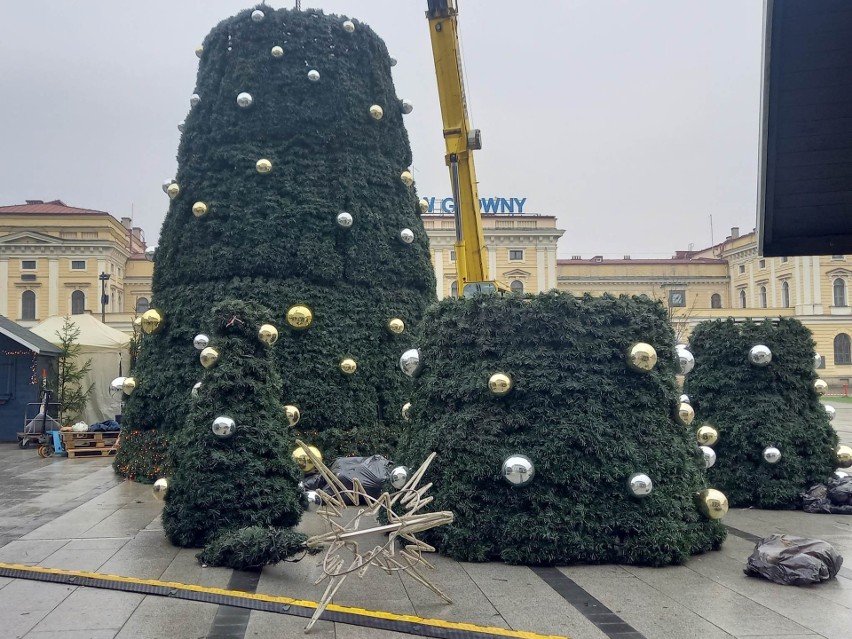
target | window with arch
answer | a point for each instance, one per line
(715, 301)
(785, 294)
(842, 349)
(517, 286)
(78, 303)
(28, 305)
(142, 304)
(742, 298)
(454, 289)
(762, 297)
(839, 292)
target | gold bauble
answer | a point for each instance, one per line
(707, 435)
(396, 326)
(277, 52)
(199, 209)
(641, 357)
(199, 50)
(128, 386)
(160, 488)
(293, 414)
(377, 112)
(406, 411)
(173, 190)
(424, 206)
(348, 365)
(137, 324)
(685, 414)
(844, 456)
(268, 334)
(499, 384)
(407, 178)
(209, 356)
(151, 321)
(820, 387)
(304, 462)
(299, 317)
(712, 503)
(263, 166)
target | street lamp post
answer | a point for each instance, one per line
(103, 277)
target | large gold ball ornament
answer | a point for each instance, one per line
(396, 326)
(268, 334)
(209, 356)
(407, 178)
(299, 317)
(707, 435)
(499, 384)
(160, 488)
(641, 357)
(199, 50)
(424, 206)
(152, 319)
(712, 503)
(263, 166)
(406, 411)
(377, 112)
(820, 386)
(685, 414)
(199, 209)
(257, 15)
(303, 461)
(128, 386)
(277, 52)
(348, 26)
(844, 456)
(173, 190)
(348, 365)
(293, 414)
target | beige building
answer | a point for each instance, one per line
(53, 256)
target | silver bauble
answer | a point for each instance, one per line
(195, 388)
(817, 360)
(344, 219)
(201, 341)
(313, 500)
(160, 488)
(830, 411)
(277, 52)
(410, 362)
(709, 456)
(518, 470)
(349, 26)
(224, 427)
(167, 184)
(392, 61)
(821, 387)
(684, 399)
(313, 75)
(686, 361)
(115, 386)
(181, 127)
(640, 485)
(406, 411)
(407, 106)
(406, 235)
(771, 455)
(194, 99)
(199, 50)
(760, 355)
(257, 15)
(244, 100)
(399, 476)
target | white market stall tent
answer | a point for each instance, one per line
(107, 348)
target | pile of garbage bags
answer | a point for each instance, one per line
(793, 561)
(373, 472)
(833, 497)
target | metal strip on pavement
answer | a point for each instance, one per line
(231, 622)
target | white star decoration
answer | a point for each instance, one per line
(334, 501)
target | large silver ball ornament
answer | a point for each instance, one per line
(293, 414)
(641, 357)
(407, 107)
(160, 488)
(399, 476)
(313, 75)
(686, 361)
(393, 61)
(518, 470)
(167, 184)
(194, 99)
(313, 500)
(709, 456)
(377, 112)
(684, 399)
(820, 386)
(410, 362)
(244, 100)
(201, 341)
(267, 334)
(277, 52)
(771, 455)
(195, 388)
(115, 386)
(406, 235)
(344, 219)
(831, 411)
(224, 427)
(640, 485)
(349, 26)
(406, 411)
(760, 355)
(257, 15)
(817, 360)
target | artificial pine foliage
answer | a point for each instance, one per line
(72, 393)
(274, 237)
(584, 418)
(754, 407)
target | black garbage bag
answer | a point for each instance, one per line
(834, 497)
(372, 472)
(793, 561)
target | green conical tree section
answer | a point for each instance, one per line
(755, 407)
(577, 411)
(238, 495)
(274, 237)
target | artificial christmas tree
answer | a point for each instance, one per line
(292, 190)
(555, 422)
(754, 385)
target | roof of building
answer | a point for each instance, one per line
(26, 337)
(671, 260)
(54, 207)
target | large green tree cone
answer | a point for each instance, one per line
(275, 237)
(756, 407)
(583, 417)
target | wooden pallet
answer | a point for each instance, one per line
(91, 452)
(99, 444)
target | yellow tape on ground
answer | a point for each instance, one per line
(360, 612)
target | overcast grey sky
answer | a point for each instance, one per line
(632, 121)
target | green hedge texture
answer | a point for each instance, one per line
(754, 407)
(274, 237)
(584, 418)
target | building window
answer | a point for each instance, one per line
(28, 265)
(78, 265)
(784, 260)
(715, 301)
(517, 286)
(842, 349)
(838, 257)
(78, 303)
(516, 255)
(452, 256)
(762, 297)
(28, 305)
(785, 294)
(742, 269)
(761, 263)
(142, 304)
(454, 289)
(742, 298)
(677, 298)
(839, 292)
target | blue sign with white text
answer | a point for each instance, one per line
(487, 205)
